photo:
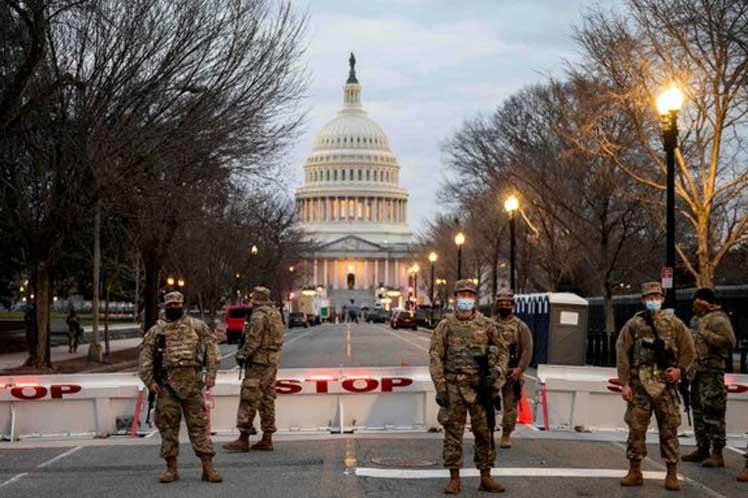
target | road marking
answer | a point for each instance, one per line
(13, 479)
(348, 341)
(41, 466)
(409, 342)
(739, 452)
(591, 473)
(59, 457)
(297, 338)
(227, 355)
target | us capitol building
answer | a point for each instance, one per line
(353, 210)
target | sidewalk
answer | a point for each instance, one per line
(60, 353)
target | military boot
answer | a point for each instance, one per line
(488, 484)
(170, 474)
(506, 440)
(700, 454)
(715, 460)
(453, 487)
(634, 477)
(209, 472)
(241, 445)
(671, 480)
(743, 476)
(265, 444)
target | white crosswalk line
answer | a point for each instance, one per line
(504, 472)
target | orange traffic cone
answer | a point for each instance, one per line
(524, 415)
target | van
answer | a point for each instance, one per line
(235, 317)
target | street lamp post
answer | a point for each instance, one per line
(511, 205)
(668, 105)
(415, 269)
(432, 259)
(459, 240)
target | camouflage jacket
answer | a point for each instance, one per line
(189, 345)
(633, 357)
(714, 339)
(517, 335)
(263, 337)
(453, 344)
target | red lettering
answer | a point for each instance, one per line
(57, 391)
(287, 387)
(388, 383)
(321, 384)
(350, 385)
(39, 392)
(737, 388)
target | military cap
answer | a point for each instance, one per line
(465, 285)
(260, 294)
(174, 297)
(505, 295)
(652, 288)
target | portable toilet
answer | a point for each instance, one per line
(558, 321)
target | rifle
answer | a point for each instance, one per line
(241, 363)
(158, 360)
(665, 359)
(514, 363)
(485, 391)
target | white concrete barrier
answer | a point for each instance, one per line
(332, 400)
(580, 397)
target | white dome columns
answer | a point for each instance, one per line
(354, 208)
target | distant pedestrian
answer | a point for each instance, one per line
(75, 331)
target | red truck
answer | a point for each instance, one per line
(234, 318)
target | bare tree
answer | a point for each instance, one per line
(701, 45)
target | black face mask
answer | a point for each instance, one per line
(504, 312)
(173, 314)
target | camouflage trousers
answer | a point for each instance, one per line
(638, 415)
(509, 404)
(257, 395)
(453, 419)
(169, 410)
(709, 404)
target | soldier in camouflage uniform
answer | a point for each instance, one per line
(518, 338)
(456, 376)
(650, 387)
(714, 340)
(260, 355)
(188, 345)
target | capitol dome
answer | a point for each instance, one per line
(353, 210)
(351, 178)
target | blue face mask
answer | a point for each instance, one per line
(653, 305)
(465, 304)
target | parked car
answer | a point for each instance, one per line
(376, 315)
(234, 317)
(297, 319)
(404, 320)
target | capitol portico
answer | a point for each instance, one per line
(353, 210)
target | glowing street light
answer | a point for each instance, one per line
(511, 206)
(254, 251)
(181, 282)
(459, 240)
(668, 104)
(170, 281)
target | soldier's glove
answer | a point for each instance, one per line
(240, 360)
(497, 403)
(441, 399)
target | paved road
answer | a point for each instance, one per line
(349, 345)
(345, 466)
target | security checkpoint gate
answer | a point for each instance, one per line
(334, 400)
(586, 397)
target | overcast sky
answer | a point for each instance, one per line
(426, 66)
